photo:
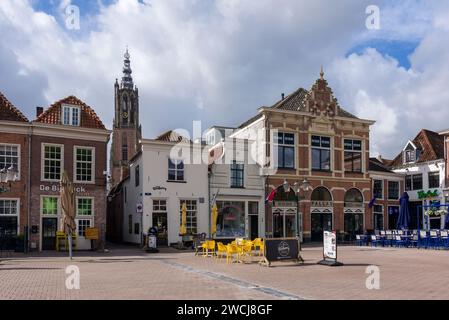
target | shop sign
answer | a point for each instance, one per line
(139, 208)
(56, 188)
(92, 234)
(281, 249)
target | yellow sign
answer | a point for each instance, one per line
(92, 234)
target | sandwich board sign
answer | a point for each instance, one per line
(330, 249)
(280, 250)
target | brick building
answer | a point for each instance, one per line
(70, 137)
(14, 144)
(308, 135)
(388, 187)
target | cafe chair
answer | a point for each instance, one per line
(221, 250)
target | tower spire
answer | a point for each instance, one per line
(127, 80)
(322, 73)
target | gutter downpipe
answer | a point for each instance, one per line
(28, 188)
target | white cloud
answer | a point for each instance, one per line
(218, 61)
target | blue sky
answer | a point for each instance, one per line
(217, 61)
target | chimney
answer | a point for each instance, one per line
(39, 111)
(283, 96)
(379, 157)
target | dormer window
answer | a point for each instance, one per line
(410, 153)
(71, 115)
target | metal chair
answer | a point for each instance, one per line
(444, 239)
(423, 239)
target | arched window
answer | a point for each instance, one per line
(321, 194)
(353, 198)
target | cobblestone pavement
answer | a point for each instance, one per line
(129, 273)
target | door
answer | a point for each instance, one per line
(284, 223)
(49, 229)
(290, 226)
(320, 222)
(253, 227)
(278, 225)
(160, 222)
(353, 225)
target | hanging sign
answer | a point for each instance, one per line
(139, 208)
(92, 234)
(330, 249)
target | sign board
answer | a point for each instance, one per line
(330, 249)
(92, 234)
(139, 208)
(281, 249)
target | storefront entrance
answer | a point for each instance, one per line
(253, 226)
(353, 225)
(49, 229)
(160, 222)
(284, 222)
(320, 222)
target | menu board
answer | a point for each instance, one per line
(330, 245)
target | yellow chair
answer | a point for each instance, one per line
(258, 244)
(262, 249)
(246, 250)
(210, 248)
(204, 248)
(221, 250)
(231, 251)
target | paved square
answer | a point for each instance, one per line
(129, 273)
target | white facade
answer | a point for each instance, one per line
(238, 191)
(425, 169)
(157, 195)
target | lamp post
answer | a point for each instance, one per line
(6, 177)
(305, 186)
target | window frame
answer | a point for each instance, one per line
(19, 158)
(43, 159)
(240, 168)
(16, 215)
(382, 213)
(388, 190)
(137, 175)
(383, 187)
(412, 177)
(75, 161)
(189, 218)
(72, 108)
(58, 206)
(321, 149)
(283, 146)
(352, 152)
(429, 174)
(92, 215)
(176, 170)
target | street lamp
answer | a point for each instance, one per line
(297, 187)
(6, 177)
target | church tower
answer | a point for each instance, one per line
(127, 131)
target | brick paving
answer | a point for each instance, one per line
(129, 273)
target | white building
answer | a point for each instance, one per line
(422, 162)
(160, 182)
(237, 188)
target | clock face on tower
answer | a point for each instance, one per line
(125, 115)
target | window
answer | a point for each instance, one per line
(175, 170)
(393, 190)
(353, 155)
(434, 179)
(49, 206)
(321, 153)
(410, 156)
(136, 228)
(52, 162)
(9, 217)
(237, 175)
(413, 182)
(191, 215)
(83, 224)
(84, 164)
(378, 192)
(84, 212)
(285, 145)
(231, 219)
(378, 217)
(137, 175)
(125, 152)
(130, 224)
(71, 115)
(9, 156)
